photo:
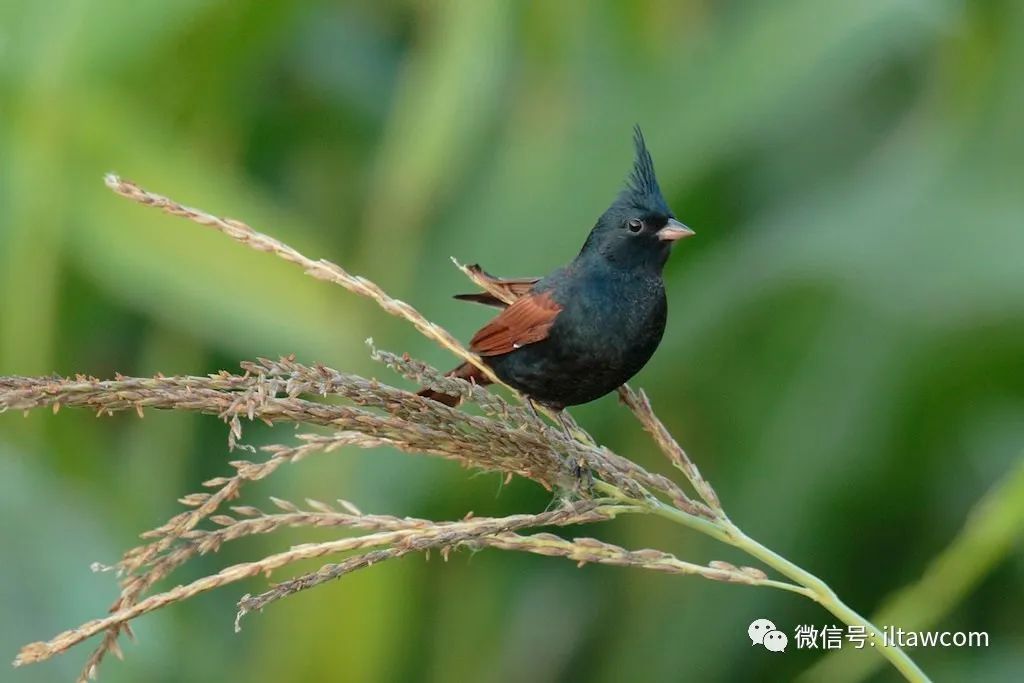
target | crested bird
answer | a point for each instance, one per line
(589, 326)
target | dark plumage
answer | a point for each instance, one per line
(588, 327)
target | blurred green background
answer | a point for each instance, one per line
(844, 357)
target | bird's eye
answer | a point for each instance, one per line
(634, 225)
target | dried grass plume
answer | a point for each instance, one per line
(365, 413)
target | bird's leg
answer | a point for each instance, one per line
(528, 402)
(567, 423)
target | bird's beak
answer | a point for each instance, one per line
(673, 230)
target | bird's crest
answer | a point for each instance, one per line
(642, 187)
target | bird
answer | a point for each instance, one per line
(588, 327)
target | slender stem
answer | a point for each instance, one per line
(722, 529)
(828, 599)
(705, 526)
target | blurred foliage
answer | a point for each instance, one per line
(845, 354)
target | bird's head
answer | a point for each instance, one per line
(638, 229)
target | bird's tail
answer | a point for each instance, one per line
(465, 371)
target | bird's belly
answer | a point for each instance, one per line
(587, 355)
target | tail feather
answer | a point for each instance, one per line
(465, 371)
(482, 298)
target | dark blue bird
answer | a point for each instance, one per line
(588, 327)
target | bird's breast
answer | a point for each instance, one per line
(615, 322)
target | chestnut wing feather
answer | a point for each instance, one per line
(527, 321)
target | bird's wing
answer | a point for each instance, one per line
(527, 321)
(500, 291)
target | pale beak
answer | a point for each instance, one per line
(673, 230)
